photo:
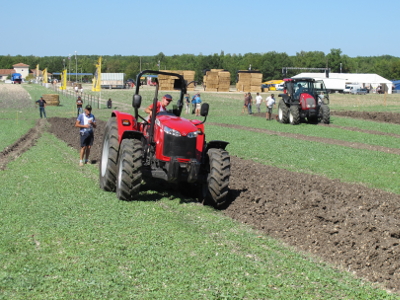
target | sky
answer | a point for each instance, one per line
(174, 27)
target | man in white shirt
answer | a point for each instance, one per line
(258, 102)
(270, 101)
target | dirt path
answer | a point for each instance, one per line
(23, 144)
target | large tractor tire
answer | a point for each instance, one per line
(294, 115)
(325, 113)
(219, 170)
(283, 112)
(129, 176)
(109, 156)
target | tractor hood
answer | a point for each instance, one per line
(184, 126)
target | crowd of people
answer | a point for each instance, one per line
(269, 103)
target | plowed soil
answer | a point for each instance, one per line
(354, 227)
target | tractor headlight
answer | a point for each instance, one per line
(170, 131)
(192, 134)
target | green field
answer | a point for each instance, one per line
(64, 238)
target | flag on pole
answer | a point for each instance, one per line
(45, 76)
(97, 77)
(63, 80)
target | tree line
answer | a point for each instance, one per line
(270, 64)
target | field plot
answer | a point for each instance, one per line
(330, 191)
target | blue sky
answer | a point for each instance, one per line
(58, 28)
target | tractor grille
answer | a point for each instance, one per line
(179, 146)
(310, 103)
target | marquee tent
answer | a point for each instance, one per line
(367, 80)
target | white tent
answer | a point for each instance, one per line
(366, 80)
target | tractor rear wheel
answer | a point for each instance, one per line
(325, 112)
(283, 112)
(129, 175)
(219, 171)
(294, 115)
(109, 156)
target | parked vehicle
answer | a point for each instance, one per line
(16, 78)
(359, 91)
(304, 99)
(166, 147)
(350, 87)
(112, 80)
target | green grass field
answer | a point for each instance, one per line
(64, 238)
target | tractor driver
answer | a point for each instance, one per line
(299, 90)
(161, 105)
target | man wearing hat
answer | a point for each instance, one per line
(161, 105)
(86, 122)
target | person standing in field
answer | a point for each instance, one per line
(198, 104)
(109, 103)
(42, 104)
(258, 102)
(270, 101)
(187, 103)
(86, 122)
(245, 103)
(79, 103)
(250, 102)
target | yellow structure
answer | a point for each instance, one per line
(271, 84)
(97, 77)
(45, 77)
(63, 80)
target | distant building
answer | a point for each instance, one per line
(21, 68)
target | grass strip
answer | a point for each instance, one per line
(64, 238)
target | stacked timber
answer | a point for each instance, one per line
(167, 83)
(217, 80)
(52, 99)
(249, 81)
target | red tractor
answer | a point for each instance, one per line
(304, 99)
(168, 147)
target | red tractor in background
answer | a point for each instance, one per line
(304, 99)
(168, 147)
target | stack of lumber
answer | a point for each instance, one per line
(52, 99)
(167, 83)
(217, 80)
(249, 82)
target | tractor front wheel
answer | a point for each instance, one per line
(109, 156)
(283, 112)
(215, 190)
(129, 175)
(294, 115)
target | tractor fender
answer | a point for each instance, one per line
(285, 98)
(126, 124)
(132, 134)
(216, 144)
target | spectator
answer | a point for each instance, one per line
(79, 103)
(198, 104)
(250, 102)
(42, 104)
(109, 103)
(187, 103)
(258, 102)
(270, 101)
(86, 122)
